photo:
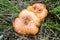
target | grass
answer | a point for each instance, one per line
(10, 9)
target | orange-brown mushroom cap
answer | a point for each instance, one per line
(27, 23)
(39, 9)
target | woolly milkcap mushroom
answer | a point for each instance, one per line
(26, 23)
(39, 9)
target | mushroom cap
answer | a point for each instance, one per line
(29, 15)
(39, 9)
(26, 23)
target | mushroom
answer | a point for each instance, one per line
(26, 23)
(29, 19)
(39, 9)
